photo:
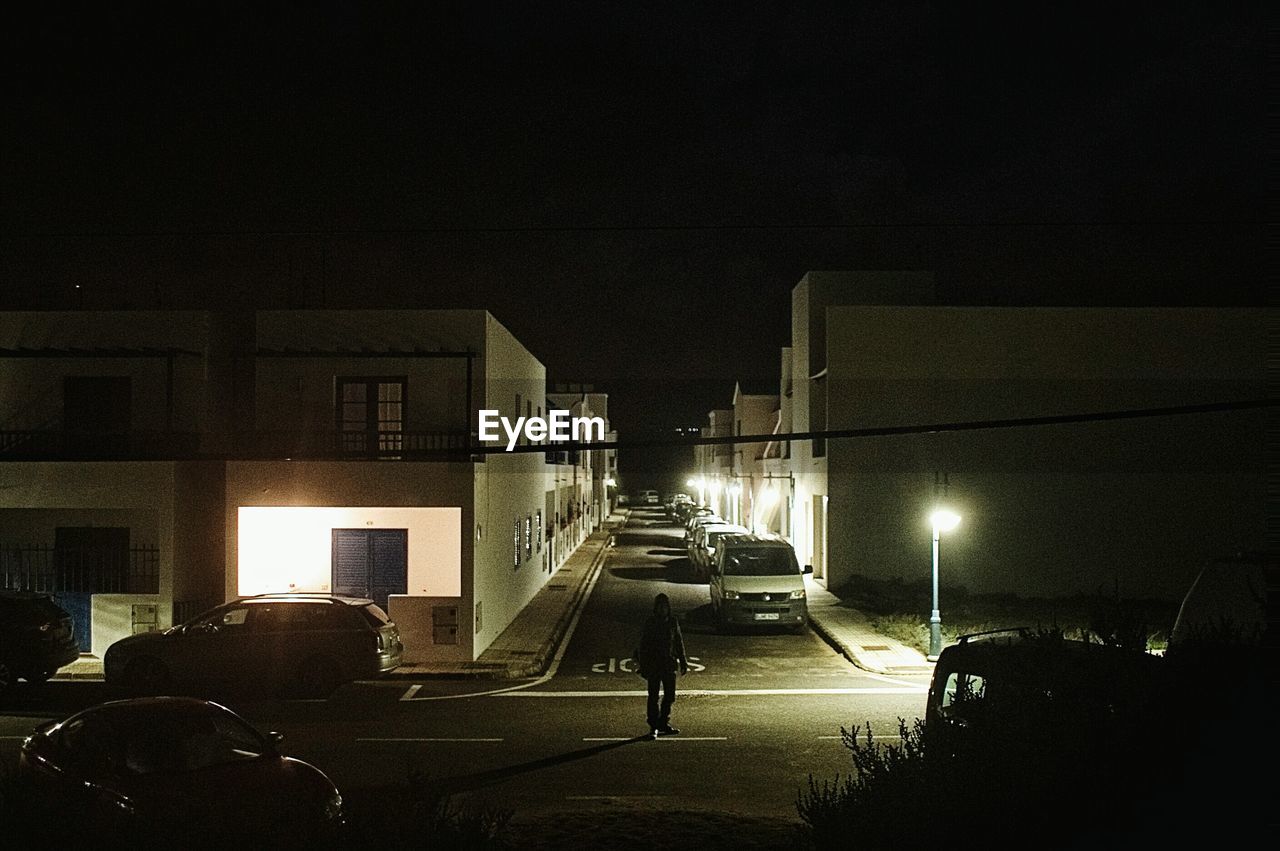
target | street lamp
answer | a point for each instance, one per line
(943, 521)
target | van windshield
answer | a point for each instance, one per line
(764, 561)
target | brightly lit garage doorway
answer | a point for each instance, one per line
(356, 551)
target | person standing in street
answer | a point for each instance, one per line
(660, 654)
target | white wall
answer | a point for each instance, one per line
(112, 617)
(1140, 504)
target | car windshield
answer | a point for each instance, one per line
(186, 740)
(760, 561)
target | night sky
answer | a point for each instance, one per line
(633, 189)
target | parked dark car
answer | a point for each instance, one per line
(167, 770)
(1015, 678)
(309, 642)
(36, 638)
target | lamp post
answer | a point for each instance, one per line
(943, 521)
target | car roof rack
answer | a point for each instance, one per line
(1020, 631)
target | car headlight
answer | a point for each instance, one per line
(797, 595)
(731, 595)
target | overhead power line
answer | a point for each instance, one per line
(889, 431)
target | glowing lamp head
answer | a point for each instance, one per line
(769, 496)
(944, 520)
(610, 482)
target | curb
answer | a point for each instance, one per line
(852, 652)
(539, 664)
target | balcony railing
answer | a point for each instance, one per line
(57, 445)
(388, 445)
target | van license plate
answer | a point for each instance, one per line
(766, 616)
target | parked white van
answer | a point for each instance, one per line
(756, 581)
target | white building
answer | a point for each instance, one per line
(1134, 505)
(155, 463)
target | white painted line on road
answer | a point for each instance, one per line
(411, 739)
(409, 694)
(863, 736)
(660, 739)
(883, 678)
(12, 737)
(747, 692)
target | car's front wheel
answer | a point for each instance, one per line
(146, 675)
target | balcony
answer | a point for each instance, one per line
(61, 445)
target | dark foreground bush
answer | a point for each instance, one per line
(1029, 788)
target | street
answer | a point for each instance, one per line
(758, 713)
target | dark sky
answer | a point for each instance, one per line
(632, 188)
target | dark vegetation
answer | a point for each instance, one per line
(1183, 767)
(901, 610)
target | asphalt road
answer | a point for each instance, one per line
(758, 713)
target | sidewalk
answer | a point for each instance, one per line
(850, 632)
(527, 646)
(85, 668)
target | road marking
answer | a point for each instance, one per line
(6, 738)
(410, 693)
(627, 666)
(882, 677)
(410, 739)
(747, 692)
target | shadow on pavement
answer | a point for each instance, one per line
(667, 552)
(56, 697)
(471, 782)
(677, 570)
(634, 539)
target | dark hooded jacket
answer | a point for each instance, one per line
(661, 649)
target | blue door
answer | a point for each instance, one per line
(78, 604)
(371, 563)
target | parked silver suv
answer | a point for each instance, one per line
(313, 642)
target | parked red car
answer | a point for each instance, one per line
(170, 770)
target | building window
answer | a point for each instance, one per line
(516, 542)
(370, 414)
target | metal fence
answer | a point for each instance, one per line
(92, 570)
(185, 610)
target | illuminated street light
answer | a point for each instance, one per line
(943, 521)
(610, 482)
(700, 483)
